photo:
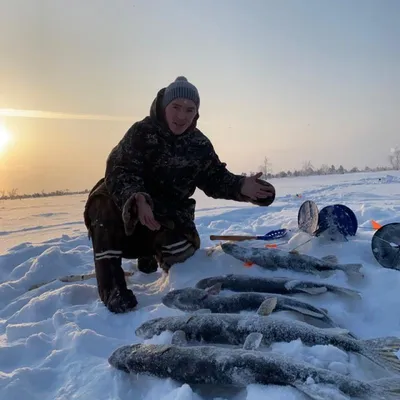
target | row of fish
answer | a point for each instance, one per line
(214, 319)
(234, 329)
(209, 300)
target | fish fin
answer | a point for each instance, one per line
(305, 311)
(312, 390)
(179, 338)
(313, 290)
(294, 251)
(214, 289)
(323, 289)
(352, 270)
(203, 311)
(331, 258)
(389, 386)
(289, 285)
(267, 306)
(253, 341)
(160, 349)
(188, 319)
(337, 331)
(348, 292)
(382, 351)
(323, 273)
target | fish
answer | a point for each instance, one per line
(273, 259)
(217, 365)
(246, 283)
(233, 329)
(207, 300)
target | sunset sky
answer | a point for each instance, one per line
(294, 80)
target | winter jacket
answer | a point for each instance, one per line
(167, 169)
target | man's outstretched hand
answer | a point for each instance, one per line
(255, 190)
(145, 214)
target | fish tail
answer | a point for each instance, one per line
(386, 388)
(378, 389)
(382, 352)
(352, 270)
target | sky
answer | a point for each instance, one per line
(290, 80)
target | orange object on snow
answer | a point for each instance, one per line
(376, 225)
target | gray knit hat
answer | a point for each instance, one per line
(183, 89)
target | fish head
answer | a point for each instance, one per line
(120, 357)
(149, 328)
(241, 252)
(230, 248)
(187, 299)
(136, 358)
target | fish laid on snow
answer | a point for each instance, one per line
(233, 329)
(241, 367)
(246, 283)
(273, 259)
(194, 299)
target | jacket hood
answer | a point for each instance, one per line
(157, 114)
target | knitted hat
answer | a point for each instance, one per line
(183, 89)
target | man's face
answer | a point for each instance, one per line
(179, 115)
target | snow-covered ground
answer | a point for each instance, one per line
(55, 340)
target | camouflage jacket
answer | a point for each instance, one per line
(167, 168)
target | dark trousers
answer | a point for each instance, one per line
(106, 229)
(165, 247)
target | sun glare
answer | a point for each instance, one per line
(5, 137)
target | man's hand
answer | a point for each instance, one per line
(145, 214)
(251, 188)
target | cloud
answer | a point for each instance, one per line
(11, 112)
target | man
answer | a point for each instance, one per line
(142, 208)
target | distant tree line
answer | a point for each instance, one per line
(394, 158)
(14, 195)
(308, 169)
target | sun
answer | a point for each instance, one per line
(5, 137)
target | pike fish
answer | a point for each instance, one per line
(242, 367)
(273, 259)
(194, 299)
(246, 283)
(233, 329)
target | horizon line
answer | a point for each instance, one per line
(21, 113)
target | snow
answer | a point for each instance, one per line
(55, 340)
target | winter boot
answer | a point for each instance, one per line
(147, 265)
(112, 286)
(107, 233)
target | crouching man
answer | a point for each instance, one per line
(142, 208)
